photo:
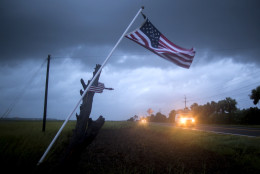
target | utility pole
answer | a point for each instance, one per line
(185, 101)
(46, 94)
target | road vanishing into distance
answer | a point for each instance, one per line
(221, 129)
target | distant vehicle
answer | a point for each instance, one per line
(185, 119)
(143, 120)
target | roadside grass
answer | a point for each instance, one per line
(128, 147)
(23, 142)
(245, 151)
(235, 125)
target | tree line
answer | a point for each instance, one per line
(222, 112)
(158, 117)
(225, 112)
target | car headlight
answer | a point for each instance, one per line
(183, 120)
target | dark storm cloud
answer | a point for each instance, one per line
(222, 28)
(36, 28)
(33, 29)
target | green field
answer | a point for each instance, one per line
(126, 147)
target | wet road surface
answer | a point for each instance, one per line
(222, 129)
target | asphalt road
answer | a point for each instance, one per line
(222, 129)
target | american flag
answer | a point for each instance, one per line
(97, 89)
(152, 39)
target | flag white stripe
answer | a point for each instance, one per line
(138, 38)
(97, 89)
(166, 49)
(177, 54)
(181, 54)
(177, 49)
(161, 50)
(171, 57)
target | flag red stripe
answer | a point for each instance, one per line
(174, 44)
(143, 39)
(188, 52)
(166, 46)
(132, 36)
(167, 57)
(174, 61)
(173, 58)
(188, 59)
(164, 56)
(166, 49)
(97, 89)
(150, 48)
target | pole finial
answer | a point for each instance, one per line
(142, 7)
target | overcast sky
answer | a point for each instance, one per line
(80, 34)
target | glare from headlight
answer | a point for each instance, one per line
(183, 120)
(143, 121)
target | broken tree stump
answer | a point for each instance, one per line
(86, 129)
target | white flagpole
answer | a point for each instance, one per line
(91, 82)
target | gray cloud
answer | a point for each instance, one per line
(33, 29)
(224, 33)
(136, 89)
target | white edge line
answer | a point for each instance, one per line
(213, 131)
(221, 132)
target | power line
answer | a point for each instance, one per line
(21, 93)
(232, 92)
(228, 91)
(218, 88)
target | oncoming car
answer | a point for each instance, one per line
(185, 119)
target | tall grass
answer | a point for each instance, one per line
(127, 147)
(22, 142)
(243, 150)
